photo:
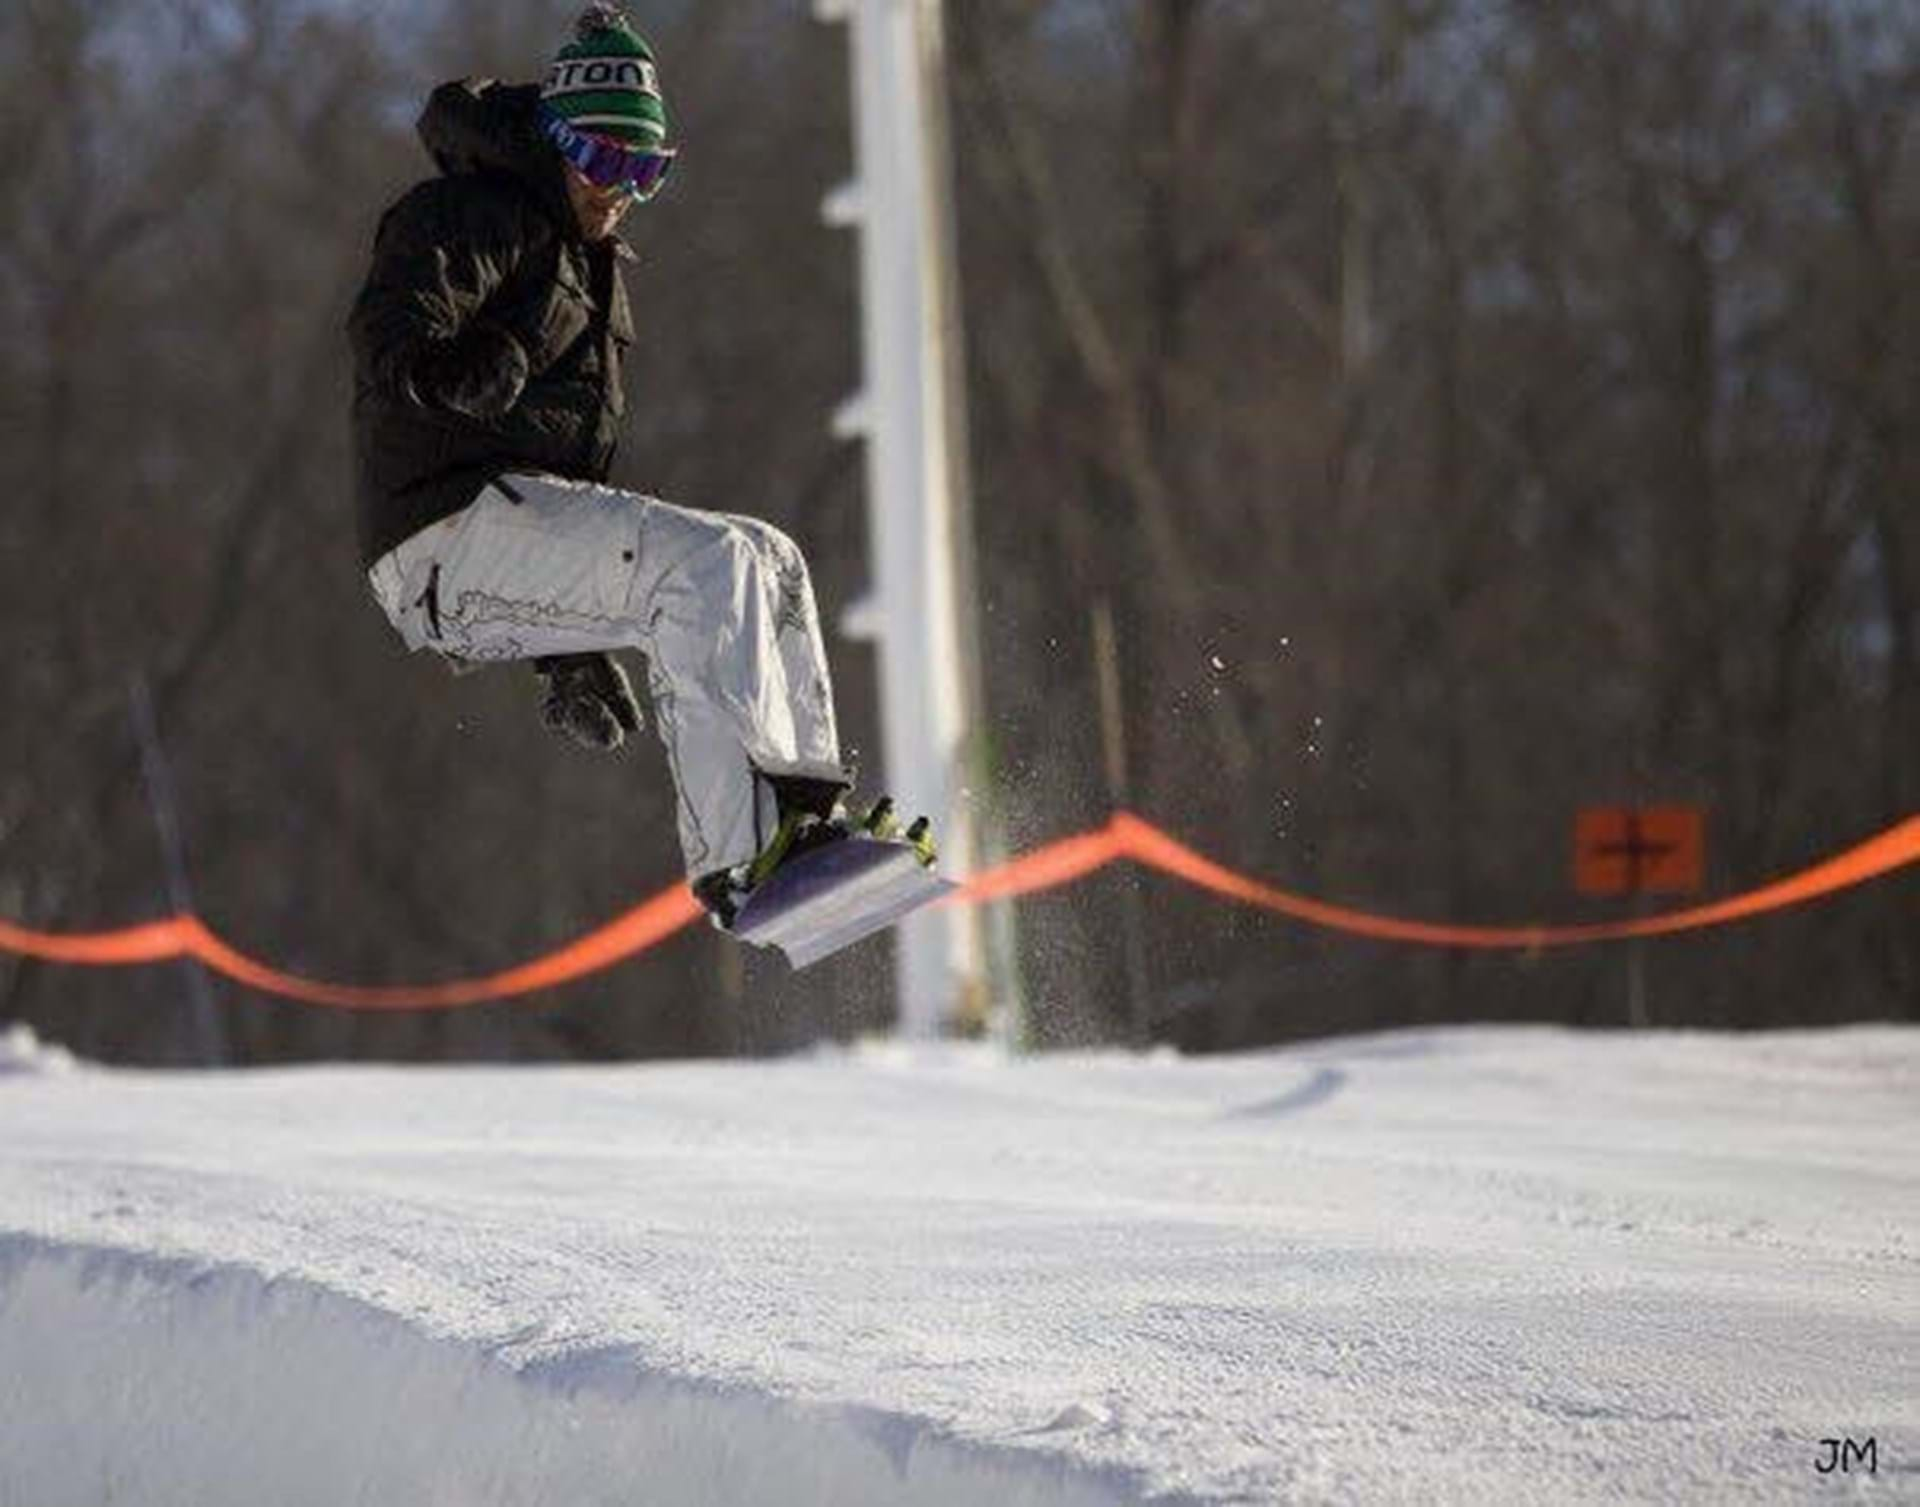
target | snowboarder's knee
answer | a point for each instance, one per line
(776, 544)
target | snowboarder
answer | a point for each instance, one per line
(488, 342)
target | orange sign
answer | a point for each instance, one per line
(1650, 850)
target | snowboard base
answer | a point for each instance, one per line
(829, 898)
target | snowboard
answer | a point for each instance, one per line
(830, 897)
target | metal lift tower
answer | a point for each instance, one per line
(919, 607)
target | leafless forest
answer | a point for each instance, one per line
(1464, 411)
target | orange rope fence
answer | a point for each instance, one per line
(1049, 867)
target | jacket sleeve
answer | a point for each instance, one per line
(418, 329)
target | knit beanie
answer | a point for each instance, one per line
(603, 81)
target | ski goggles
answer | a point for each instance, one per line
(608, 164)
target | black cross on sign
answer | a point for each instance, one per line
(1623, 850)
(1639, 850)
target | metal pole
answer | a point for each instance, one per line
(208, 1043)
(918, 608)
(1636, 842)
(1113, 739)
(1637, 972)
(1637, 984)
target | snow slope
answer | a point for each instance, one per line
(1474, 1265)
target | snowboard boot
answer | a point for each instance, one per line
(588, 700)
(811, 795)
(810, 813)
(719, 897)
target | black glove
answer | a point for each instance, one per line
(481, 372)
(588, 700)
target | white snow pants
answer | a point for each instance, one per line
(721, 606)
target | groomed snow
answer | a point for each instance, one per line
(1473, 1265)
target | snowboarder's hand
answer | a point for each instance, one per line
(588, 700)
(480, 373)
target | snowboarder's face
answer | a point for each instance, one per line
(597, 209)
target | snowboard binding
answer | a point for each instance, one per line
(827, 877)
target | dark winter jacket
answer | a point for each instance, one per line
(489, 335)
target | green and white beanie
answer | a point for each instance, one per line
(604, 82)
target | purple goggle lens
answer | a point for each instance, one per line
(608, 164)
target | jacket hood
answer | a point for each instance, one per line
(480, 126)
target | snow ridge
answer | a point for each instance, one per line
(21, 1051)
(168, 1381)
